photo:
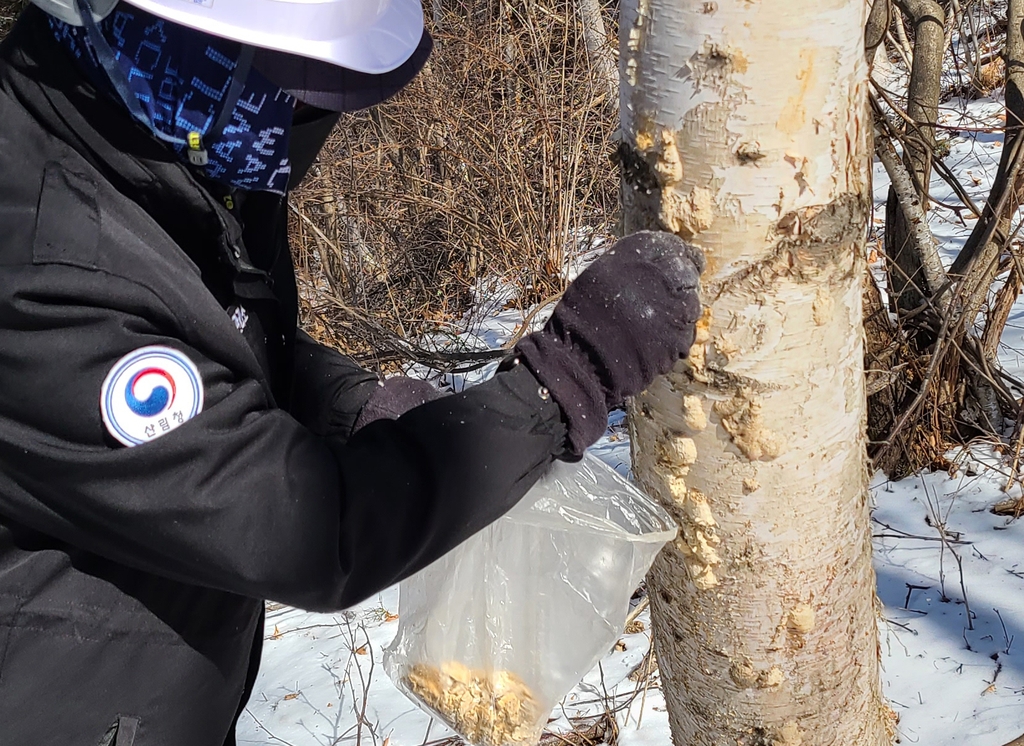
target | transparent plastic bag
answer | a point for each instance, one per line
(494, 634)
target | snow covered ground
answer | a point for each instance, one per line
(950, 573)
(950, 576)
(951, 682)
(322, 680)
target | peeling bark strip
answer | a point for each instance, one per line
(746, 131)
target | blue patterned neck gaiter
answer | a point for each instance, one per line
(184, 81)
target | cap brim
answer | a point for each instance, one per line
(335, 88)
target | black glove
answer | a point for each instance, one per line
(625, 320)
(392, 398)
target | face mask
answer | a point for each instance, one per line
(196, 92)
(310, 129)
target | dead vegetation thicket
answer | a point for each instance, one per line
(484, 174)
(934, 375)
(491, 166)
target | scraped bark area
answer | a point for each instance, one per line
(746, 133)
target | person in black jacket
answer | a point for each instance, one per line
(173, 450)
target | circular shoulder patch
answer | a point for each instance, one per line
(150, 392)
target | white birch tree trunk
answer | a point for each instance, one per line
(747, 134)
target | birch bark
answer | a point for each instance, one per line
(746, 132)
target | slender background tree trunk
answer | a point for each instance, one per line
(746, 132)
(910, 282)
(978, 260)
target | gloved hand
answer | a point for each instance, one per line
(392, 398)
(625, 320)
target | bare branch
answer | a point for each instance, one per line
(924, 242)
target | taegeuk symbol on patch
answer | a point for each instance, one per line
(150, 392)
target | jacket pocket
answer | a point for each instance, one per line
(121, 733)
(67, 219)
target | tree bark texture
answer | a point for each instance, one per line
(879, 18)
(909, 281)
(983, 245)
(999, 314)
(925, 271)
(925, 86)
(746, 132)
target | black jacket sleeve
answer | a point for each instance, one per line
(242, 497)
(329, 390)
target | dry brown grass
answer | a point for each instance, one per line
(492, 164)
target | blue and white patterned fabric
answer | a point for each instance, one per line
(183, 80)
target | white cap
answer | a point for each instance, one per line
(67, 10)
(368, 36)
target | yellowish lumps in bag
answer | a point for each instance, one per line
(488, 709)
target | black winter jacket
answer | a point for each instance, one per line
(132, 579)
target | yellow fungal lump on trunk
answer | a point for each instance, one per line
(679, 453)
(742, 419)
(644, 141)
(743, 674)
(668, 166)
(698, 538)
(683, 214)
(801, 619)
(697, 357)
(789, 735)
(677, 491)
(635, 40)
(771, 678)
(698, 511)
(693, 413)
(687, 214)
